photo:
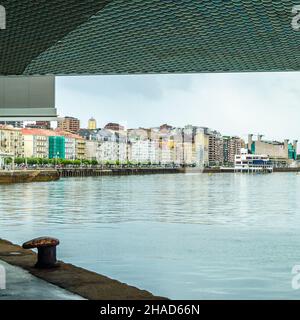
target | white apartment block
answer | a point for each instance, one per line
(143, 151)
(70, 148)
(36, 146)
(112, 151)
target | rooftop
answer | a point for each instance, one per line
(38, 132)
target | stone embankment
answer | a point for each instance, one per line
(25, 176)
(87, 284)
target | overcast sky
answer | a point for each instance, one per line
(235, 104)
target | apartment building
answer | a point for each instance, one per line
(92, 150)
(143, 151)
(11, 141)
(80, 148)
(280, 153)
(57, 149)
(215, 148)
(68, 124)
(201, 148)
(231, 147)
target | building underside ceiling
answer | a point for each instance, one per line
(71, 37)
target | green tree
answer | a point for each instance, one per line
(19, 161)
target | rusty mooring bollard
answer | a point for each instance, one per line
(46, 251)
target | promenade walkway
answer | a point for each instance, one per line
(21, 285)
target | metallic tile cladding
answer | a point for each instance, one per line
(33, 26)
(160, 36)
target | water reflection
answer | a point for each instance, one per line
(182, 236)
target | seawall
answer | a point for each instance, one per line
(231, 170)
(42, 175)
(25, 176)
(84, 283)
(92, 172)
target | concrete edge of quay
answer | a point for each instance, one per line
(47, 175)
(95, 172)
(231, 170)
(26, 176)
(87, 284)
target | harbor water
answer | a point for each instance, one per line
(183, 236)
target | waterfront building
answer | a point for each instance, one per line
(292, 150)
(70, 148)
(93, 150)
(183, 146)
(92, 124)
(215, 147)
(108, 151)
(71, 144)
(57, 148)
(177, 144)
(52, 144)
(75, 145)
(80, 148)
(142, 148)
(36, 142)
(112, 145)
(180, 146)
(166, 150)
(103, 148)
(70, 124)
(280, 153)
(190, 150)
(163, 139)
(231, 147)
(143, 151)
(251, 163)
(111, 151)
(201, 148)
(11, 141)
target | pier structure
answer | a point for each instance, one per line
(94, 172)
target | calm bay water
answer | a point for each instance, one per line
(193, 236)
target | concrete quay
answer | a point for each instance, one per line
(231, 170)
(45, 175)
(21, 285)
(26, 176)
(75, 282)
(94, 172)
